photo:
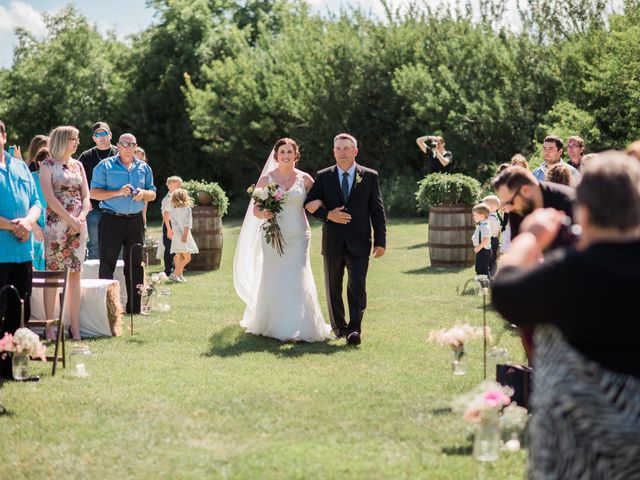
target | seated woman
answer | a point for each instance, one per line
(586, 383)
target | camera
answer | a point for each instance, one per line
(433, 144)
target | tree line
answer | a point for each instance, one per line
(211, 84)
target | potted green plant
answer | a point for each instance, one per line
(449, 198)
(211, 205)
(207, 194)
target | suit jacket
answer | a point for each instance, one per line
(364, 205)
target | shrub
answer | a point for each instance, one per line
(443, 188)
(220, 198)
(398, 194)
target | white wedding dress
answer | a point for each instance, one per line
(279, 291)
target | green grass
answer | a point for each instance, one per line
(191, 396)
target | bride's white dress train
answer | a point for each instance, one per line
(283, 301)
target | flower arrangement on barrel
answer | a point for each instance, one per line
(270, 198)
(490, 409)
(455, 338)
(23, 344)
(150, 290)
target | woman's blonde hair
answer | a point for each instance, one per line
(59, 138)
(180, 198)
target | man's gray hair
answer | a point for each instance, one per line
(345, 136)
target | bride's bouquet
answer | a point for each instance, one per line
(270, 198)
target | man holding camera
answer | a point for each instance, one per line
(122, 184)
(438, 159)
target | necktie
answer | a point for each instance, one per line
(345, 185)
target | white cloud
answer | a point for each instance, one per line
(20, 14)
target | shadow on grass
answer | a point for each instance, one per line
(461, 451)
(232, 341)
(440, 411)
(432, 270)
(417, 245)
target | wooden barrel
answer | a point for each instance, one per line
(207, 232)
(450, 230)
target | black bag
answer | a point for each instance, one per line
(517, 377)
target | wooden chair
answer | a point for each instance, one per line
(53, 279)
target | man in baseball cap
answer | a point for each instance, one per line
(101, 135)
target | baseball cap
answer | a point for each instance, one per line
(99, 125)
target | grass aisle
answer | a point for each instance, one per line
(191, 396)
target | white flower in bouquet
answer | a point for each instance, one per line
(261, 193)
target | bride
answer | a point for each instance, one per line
(279, 291)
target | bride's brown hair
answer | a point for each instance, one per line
(286, 141)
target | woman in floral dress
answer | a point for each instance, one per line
(65, 189)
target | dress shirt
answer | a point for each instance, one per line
(18, 195)
(352, 176)
(111, 174)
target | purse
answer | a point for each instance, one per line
(517, 377)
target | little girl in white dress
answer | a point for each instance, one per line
(182, 243)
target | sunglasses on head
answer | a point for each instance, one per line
(100, 134)
(128, 144)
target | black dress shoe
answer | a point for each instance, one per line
(353, 338)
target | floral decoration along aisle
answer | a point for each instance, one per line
(455, 338)
(489, 408)
(154, 297)
(23, 344)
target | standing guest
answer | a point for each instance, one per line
(65, 189)
(101, 136)
(38, 228)
(37, 143)
(552, 153)
(575, 151)
(122, 184)
(140, 154)
(520, 194)
(586, 382)
(495, 223)
(518, 160)
(438, 159)
(481, 239)
(182, 243)
(19, 210)
(173, 183)
(559, 173)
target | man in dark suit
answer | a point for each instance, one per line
(351, 206)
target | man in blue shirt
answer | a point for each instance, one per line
(552, 154)
(122, 184)
(19, 210)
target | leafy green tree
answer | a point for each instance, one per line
(67, 78)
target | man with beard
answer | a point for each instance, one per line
(521, 193)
